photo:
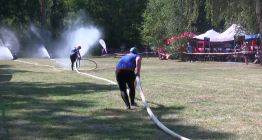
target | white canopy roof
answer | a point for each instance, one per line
(229, 34)
(208, 34)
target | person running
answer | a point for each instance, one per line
(125, 74)
(74, 55)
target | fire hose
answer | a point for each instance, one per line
(153, 117)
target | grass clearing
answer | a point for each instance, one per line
(200, 100)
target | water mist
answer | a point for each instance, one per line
(5, 53)
(86, 37)
(8, 44)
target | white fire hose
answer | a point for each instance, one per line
(153, 117)
(37, 64)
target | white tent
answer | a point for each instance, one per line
(229, 34)
(208, 34)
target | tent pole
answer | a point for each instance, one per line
(235, 50)
(209, 50)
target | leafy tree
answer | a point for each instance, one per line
(20, 13)
(165, 19)
(120, 21)
(56, 17)
(154, 29)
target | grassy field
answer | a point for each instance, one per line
(199, 100)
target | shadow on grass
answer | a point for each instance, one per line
(41, 116)
(192, 132)
(6, 73)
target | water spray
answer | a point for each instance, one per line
(9, 40)
(5, 53)
(42, 52)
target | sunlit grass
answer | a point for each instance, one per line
(207, 100)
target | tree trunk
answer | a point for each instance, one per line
(43, 13)
(258, 12)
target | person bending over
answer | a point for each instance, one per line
(125, 74)
(74, 55)
(15, 56)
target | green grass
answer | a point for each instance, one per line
(207, 100)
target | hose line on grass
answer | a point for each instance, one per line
(37, 64)
(79, 64)
(153, 117)
(158, 123)
(114, 83)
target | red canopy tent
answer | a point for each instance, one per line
(185, 34)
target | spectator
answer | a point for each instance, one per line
(230, 57)
(256, 47)
(189, 50)
(256, 58)
(237, 48)
(122, 47)
(224, 56)
(245, 51)
(103, 52)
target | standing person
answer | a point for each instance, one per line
(256, 47)
(256, 58)
(245, 51)
(189, 50)
(237, 47)
(224, 51)
(74, 55)
(125, 74)
(122, 47)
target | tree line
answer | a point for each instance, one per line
(119, 20)
(141, 22)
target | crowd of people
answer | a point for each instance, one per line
(246, 52)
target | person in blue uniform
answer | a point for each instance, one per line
(189, 50)
(51, 56)
(125, 74)
(74, 55)
(15, 56)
